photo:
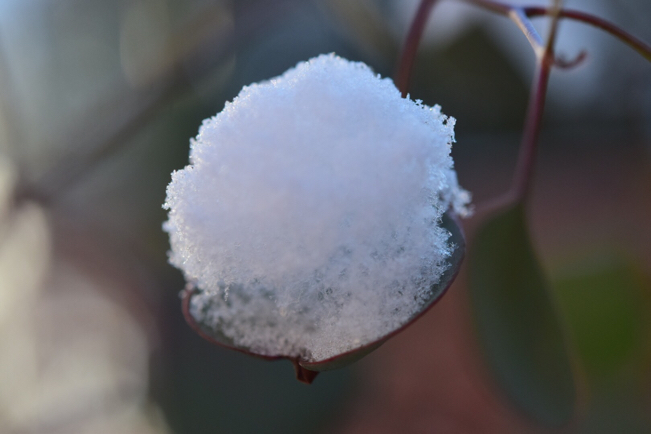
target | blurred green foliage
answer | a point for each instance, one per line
(605, 300)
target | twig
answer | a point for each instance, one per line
(529, 145)
(518, 16)
(545, 61)
(521, 182)
(637, 44)
(410, 48)
(521, 19)
(505, 9)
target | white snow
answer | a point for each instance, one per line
(308, 215)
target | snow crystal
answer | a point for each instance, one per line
(309, 214)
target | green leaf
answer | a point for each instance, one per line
(517, 321)
(603, 300)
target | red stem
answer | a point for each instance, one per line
(410, 48)
(529, 145)
(527, 156)
(534, 11)
(303, 375)
(637, 44)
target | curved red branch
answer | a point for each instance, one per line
(535, 11)
(563, 63)
(410, 48)
(637, 44)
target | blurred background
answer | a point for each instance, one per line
(98, 101)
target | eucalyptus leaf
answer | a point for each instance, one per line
(517, 321)
(457, 244)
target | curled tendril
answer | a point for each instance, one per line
(562, 62)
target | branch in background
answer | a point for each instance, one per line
(637, 44)
(546, 59)
(518, 16)
(114, 136)
(521, 183)
(506, 9)
(110, 125)
(529, 145)
(410, 48)
(521, 19)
